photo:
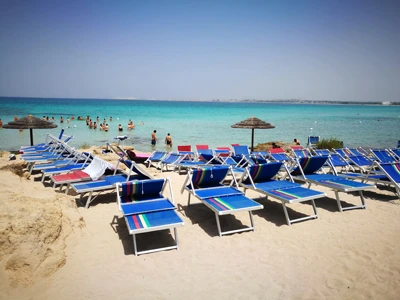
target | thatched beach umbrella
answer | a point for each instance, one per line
(253, 123)
(29, 122)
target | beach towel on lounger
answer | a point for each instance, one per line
(97, 168)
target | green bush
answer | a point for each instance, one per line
(329, 143)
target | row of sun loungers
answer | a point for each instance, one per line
(215, 178)
(139, 195)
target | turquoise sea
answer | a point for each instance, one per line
(203, 122)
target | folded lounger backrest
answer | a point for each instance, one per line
(184, 148)
(207, 152)
(241, 150)
(301, 152)
(309, 165)
(133, 191)
(262, 172)
(208, 177)
(278, 154)
(223, 151)
(322, 152)
(202, 147)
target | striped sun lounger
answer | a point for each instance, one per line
(307, 171)
(260, 179)
(206, 185)
(145, 209)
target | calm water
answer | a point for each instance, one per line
(203, 122)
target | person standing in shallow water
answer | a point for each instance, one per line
(168, 141)
(154, 138)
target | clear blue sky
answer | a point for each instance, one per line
(201, 50)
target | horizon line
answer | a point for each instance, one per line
(292, 100)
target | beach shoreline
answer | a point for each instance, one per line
(52, 247)
(191, 123)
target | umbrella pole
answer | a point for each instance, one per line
(31, 131)
(252, 139)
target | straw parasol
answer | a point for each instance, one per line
(30, 122)
(253, 123)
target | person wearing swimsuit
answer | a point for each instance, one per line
(168, 140)
(154, 138)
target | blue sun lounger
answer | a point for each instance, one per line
(209, 158)
(307, 171)
(155, 158)
(179, 162)
(241, 154)
(186, 150)
(395, 152)
(54, 144)
(363, 163)
(279, 154)
(172, 159)
(109, 182)
(73, 159)
(299, 153)
(388, 175)
(335, 159)
(47, 155)
(260, 178)
(206, 185)
(65, 156)
(312, 140)
(97, 169)
(392, 172)
(79, 162)
(49, 142)
(383, 156)
(46, 142)
(145, 209)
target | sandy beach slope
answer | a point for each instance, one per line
(53, 248)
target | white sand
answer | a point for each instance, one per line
(50, 249)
